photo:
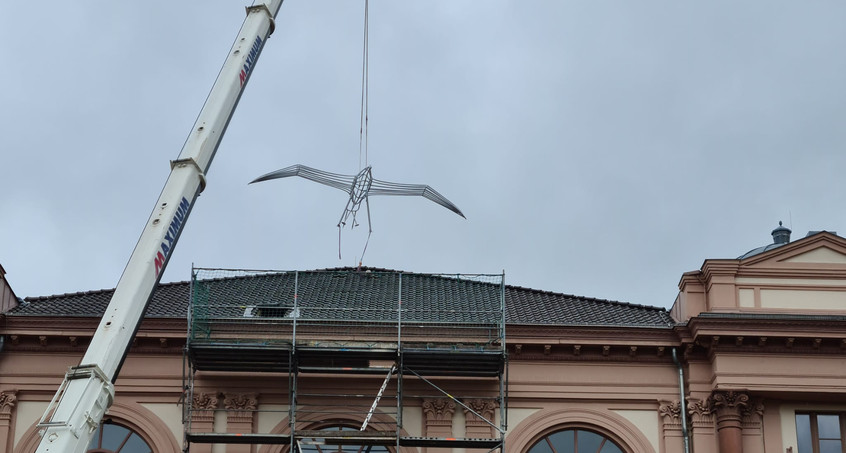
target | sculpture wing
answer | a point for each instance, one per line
(392, 188)
(335, 180)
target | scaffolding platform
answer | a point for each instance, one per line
(348, 322)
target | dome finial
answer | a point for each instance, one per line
(781, 235)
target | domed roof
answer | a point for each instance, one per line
(781, 236)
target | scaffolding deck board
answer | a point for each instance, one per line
(344, 438)
(288, 358)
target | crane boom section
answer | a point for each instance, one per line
(87, 391)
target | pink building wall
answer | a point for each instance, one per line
(760, 339)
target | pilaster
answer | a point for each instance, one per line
(671, 428)
(728, 406)
(203, 406)
(438, 413)
(8, 399)
(240, 417)
(702, 434)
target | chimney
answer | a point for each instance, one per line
(8, 300)
(781, 235)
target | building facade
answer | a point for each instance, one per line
(750, 358)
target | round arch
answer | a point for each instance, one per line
(316, 418)
(609, 424)
(131, 415)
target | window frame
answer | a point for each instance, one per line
(98, 437)
(545, 438)
(814, 429)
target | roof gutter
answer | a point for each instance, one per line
(682, 403)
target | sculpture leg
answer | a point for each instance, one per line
(369, 229)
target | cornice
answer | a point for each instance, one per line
(22, 325)
(692, 278)
(720, 267)
(786, 325)
(799, 246)
(69, 342)
(589, 353)
(584, 335)
(712, 337)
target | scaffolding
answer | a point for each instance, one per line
(326, 335)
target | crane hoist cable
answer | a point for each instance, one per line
(361, 185)
(365, 90)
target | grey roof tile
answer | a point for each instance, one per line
(350, 293)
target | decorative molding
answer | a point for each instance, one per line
(316, 418)
(241, 408)
(134, 416)
(728, 406)
(484, 407)
(752, 415)
(240, 401)
(205, 401)
(8, 400)
(604, 422)
(729, 401)
(701, 412)
(438, 409)
(203, 406)
(670, 411)
(474, 426)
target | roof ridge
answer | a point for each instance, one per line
(588, 298)
(92, 292)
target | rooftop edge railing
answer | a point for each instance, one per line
(366, 309)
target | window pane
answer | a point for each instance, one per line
(319, 447)
(610, 448)
(541, 447)
(135, 444)
(803, 433)
(830, 446)
(575, 441)
(113, 436)
(563, 441)
(588, 442)
(829, 426)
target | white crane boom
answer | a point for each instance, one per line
(88, 390)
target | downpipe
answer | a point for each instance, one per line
(682, 403)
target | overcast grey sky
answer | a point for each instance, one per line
(598, 148)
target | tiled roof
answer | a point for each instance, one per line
(169, 301)
(349, 292)
(531, 306)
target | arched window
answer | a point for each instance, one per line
(315, 445)
(575, 441)
(112, 438)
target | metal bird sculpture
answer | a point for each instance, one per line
(359, 187)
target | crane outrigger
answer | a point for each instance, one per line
(87, 391)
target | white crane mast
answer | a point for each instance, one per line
(87, 391)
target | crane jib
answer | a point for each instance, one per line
(172, 233)
(251, 59)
